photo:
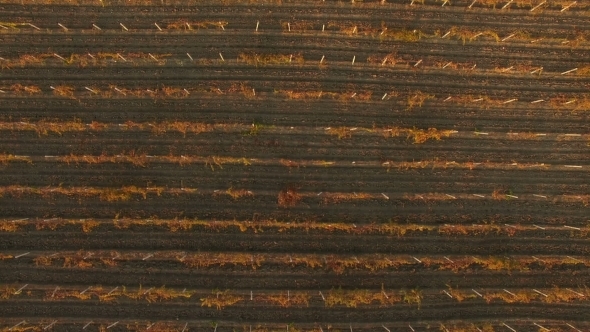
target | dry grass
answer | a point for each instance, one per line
(238, 193)
(220, 299)
(417, 99)
(421, 136)
(256, 59)
(191, 25)
(335, 198)
(286, 300)
(288, 197)
(64, 91)
(354, 298)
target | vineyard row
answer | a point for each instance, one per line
(405, 100)
(346, 29)
(334, 263)
(217, 162)
(418, 136)
(262, 226)
(531, 7)
(332, 298)
(286, 198)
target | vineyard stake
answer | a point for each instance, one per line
(565, 8)
(63, 27)
(50, 325)
(477, 293)
(124, 27)
(184, 328)
(385, 95)
(322, 60)
(221, 56)
(21, 255)
(353, 58)
(34, 26)
(509, 292)
(150, 326)
(445, 66)
(569, 71)
(473, 3)
(122, 58)
(505, 39)
(323, 27)
(537, 6)
(506, 5)
(112, 325)
(449, 295)
(20, 290)
(96, 26)
(17, 325)
(257, 23)
(153, 57)
(322, 295)
(538, 292)
(157, 26)
(509, 327)
(190, 57)
(445, 257)
(55, 290)
(386, 328)
(112, 290)
(417, 63)
(84, 291)
(85, 326)
(572, 327)
(289, 26)
(580, 294)
(410, 326)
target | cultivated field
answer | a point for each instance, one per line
(295, 165)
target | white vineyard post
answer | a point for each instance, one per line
(50, 325)
(513, 330)
(537, 6)
(508, 4)
(17, 325)
(565, 8)
(113, 325)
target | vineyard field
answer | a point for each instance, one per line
(295, 165)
